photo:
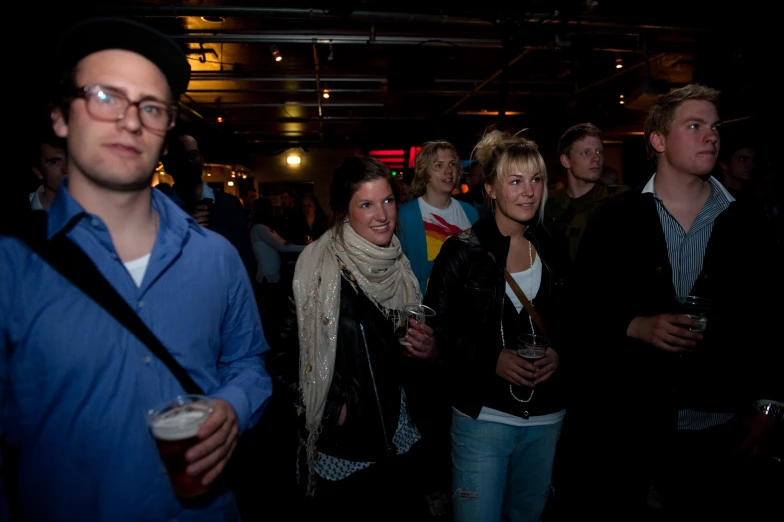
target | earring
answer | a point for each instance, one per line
(492, 197)
(345, 221)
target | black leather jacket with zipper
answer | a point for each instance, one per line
(467, 289)
(372, 400)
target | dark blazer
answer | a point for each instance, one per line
(623, 271)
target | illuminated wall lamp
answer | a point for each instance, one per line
(293, 160)
(230, 183)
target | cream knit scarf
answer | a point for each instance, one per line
(383, 274)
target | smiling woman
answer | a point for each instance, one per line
(495, 292)
(355, 386)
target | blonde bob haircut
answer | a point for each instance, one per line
(502, 154)
(425, 159)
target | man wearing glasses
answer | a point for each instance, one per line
(75, 385)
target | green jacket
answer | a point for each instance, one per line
(567, 218)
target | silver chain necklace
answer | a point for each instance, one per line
(530, 321)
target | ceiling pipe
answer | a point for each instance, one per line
(206, 76)
(205, 36)
(380, 16)
(245, 105)
(442, 92)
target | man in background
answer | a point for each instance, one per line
(49, 165)
(213, 209)
(568, 209)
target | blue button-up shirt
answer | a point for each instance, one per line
(75, 386)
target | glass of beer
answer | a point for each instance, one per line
(532, 347)
(420, 313)
(174, 426)
(696, 308)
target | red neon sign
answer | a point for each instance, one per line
(387, 152)
(412, 156)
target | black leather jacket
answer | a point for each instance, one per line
(363, 436)
(468, 292)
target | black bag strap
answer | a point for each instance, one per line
(71, 262)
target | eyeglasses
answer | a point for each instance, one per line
(108, 104)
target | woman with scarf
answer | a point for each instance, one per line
(357, 381)
(492, 285)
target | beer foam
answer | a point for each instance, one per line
(178, 425)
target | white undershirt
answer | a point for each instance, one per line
(137, 268)
(523, 280)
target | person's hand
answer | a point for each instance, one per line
(218, 436)
(342, 417)
(515, 369)
(546, 366)
(421, 341)
(665, 331)
(759, 428)
(202, 215)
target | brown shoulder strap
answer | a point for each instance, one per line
(523, 299)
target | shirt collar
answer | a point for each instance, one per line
(65, 208)
(206, 191)
(717, 189)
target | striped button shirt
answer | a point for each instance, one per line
(686, 252)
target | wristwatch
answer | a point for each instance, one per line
(771, 408)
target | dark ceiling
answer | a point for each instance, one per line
(399, 74)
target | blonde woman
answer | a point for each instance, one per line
(506, 411)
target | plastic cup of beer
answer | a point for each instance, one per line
(420, 313)
(532, 347)
(697, 308)
(174, 426)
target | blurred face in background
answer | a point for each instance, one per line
(309, 208)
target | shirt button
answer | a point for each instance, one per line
(114, 256)
(94, 222)
(139, 304)
(147, 359)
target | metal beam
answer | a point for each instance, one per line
(493, 77)
(318, 91)
(616, 75)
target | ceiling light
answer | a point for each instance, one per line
(276, 52)
(618, 63)
(325, 94)
(293, 160)
(230, 183)
(219, 119)
(213, 19)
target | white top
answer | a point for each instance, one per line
(491, 415)
(137, 268)
(35, 199)
(266, 247)
(440, 224)
(523, 280)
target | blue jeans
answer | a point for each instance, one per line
(501, 471)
